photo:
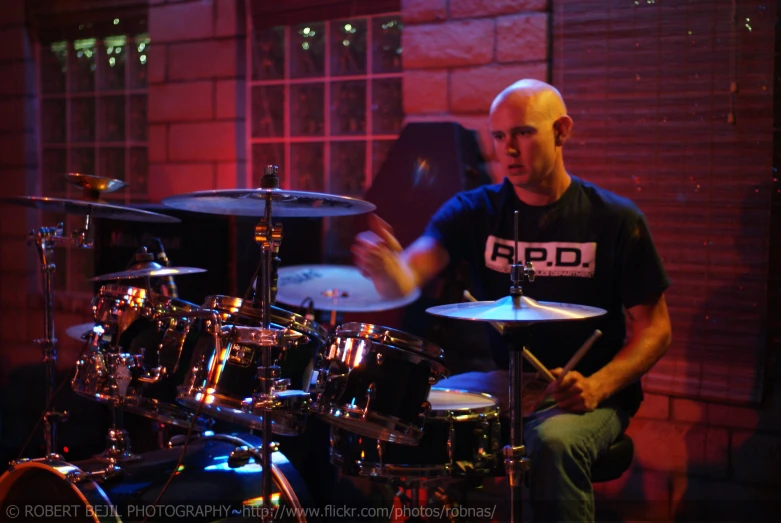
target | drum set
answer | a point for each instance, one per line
(249, 362)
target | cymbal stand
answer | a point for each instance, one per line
(269, 236)
(515, 462)
(46, 239)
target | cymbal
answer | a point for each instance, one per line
(94, 183)
(334, 288)
(81, 331)
(153, 270)
(252, 202)
(524, 310)
(99, 209)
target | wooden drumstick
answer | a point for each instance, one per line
(578, 355)
(531, 358)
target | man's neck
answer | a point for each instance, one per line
(546, 193)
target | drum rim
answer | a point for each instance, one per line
(114, 288)
(221, 302)
(352, 418)
(464, 414)
(389, 336)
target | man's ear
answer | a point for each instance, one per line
(562, 129)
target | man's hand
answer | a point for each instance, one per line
(377, 255)
(574, 392)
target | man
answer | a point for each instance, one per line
(589, 247)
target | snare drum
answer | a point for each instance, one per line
(222, 382)
(375, 382)
(461, 435)
(206, 487)
(138, 354)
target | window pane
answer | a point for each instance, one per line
(53, 119)
(380, 150)
(307, 46)
(139, 167)
(83, 119)
(306, 109)
(112, 118)
(53, 170)
(53, 66)
(348, 108)
(82, 160)
(139, 55)
(138, 107)
(113, 53)
(348, 47)
(308, 169)
(386, 106)
(386, 45)
(269, 60)
(82, 77)
(348, 164)
(268, 111)
(112, 163)
(264, 154)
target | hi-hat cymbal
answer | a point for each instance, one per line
(98, 209)
(155, 270)
(97, 184)
(522, 310)
(339, 288)
(252, 202)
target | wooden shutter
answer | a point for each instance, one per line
(672, 104)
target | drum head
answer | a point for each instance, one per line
(461, 404)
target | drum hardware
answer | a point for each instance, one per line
(516, 312)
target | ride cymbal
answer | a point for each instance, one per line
(522, 310)
(95, 208)
(252, 202)
(339, 288)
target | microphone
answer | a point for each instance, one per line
(167, 284)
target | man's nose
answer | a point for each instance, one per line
(512, 148)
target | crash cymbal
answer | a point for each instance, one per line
(153, 270)
(252, 202)
(339, 288)
(522, 310)
(96, 184)
(98, 209)
(81, 331)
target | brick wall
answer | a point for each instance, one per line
(458, 54)
(196, 108)
(692, 458)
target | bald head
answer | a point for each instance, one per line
(537, 97)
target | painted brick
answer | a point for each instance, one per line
(522, 38)
(16, 42)
(424, 91)
(638, 495)
(701, 499)
(417, 11)
(680, 447)
(181, 102)
(18, 113)
(157, 65)
(13, 288)
(473, 89)
(177, 22)
(169, 179)
(18, 150)
(230, 100)
(18, 78)
(230, 175)
(654, 406)
(196, 142)
(204, 59)
(13, 250)
(732, 416)
(230, 18)
(476, 8)
(447, 45)
(688, 410)
(756, 458)
(157, 144)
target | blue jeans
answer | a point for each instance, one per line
(561, 446)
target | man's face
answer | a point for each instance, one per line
(524, 140)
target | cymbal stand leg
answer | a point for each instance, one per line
(44, 239)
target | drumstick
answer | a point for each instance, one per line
(578, 355)
(531, 358)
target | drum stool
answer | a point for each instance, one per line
(613, 463)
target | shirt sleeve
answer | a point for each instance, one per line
(449, 226)
(644, 276)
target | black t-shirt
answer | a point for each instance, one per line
(590, 247)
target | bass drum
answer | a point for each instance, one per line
(204, 488)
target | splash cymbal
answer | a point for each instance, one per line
(521, 310)
(97, 209)
(252, 202)
(339, 288)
